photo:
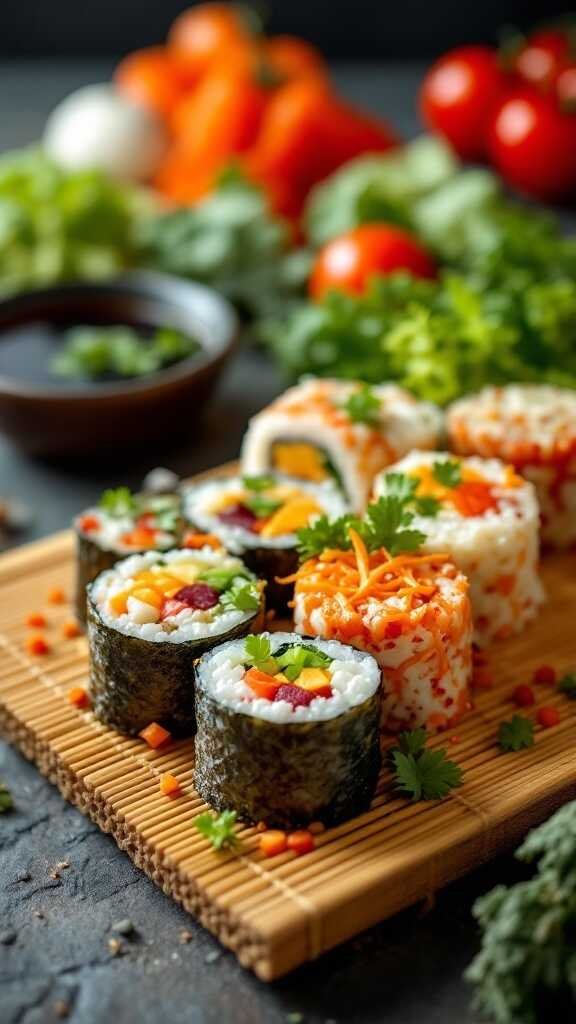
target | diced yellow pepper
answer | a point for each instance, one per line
(148, 596)
(298, 459)
(292, 516)
(119, 602)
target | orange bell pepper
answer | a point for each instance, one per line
(301, 842)
(155, 735)
(56, 596)
(70, 630)
(219, 119)
(152, 78)
(473, 498)
(262, 684)
(36, 644)
(78, 696)
(207, 33)
(36, 620)
(293, 58)
(169, 784)
(273, 842)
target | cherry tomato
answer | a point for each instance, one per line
(292, 58)
(151, 78)
(542, 57)
(566, 88)
(203, 34)
(348, 262)
(457, 97)
(533, 145)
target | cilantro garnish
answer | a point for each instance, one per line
(325, 533)
(427, 505)
(258, 483)
(423, 774)
(516, 734)
(567, 685)
(399, 485)
(119, 502)
(385, 526)
(219, 829)
(258, 652)
(363, 406)
(242, 597)
(6, 801)
(448, 473)
(298, 657)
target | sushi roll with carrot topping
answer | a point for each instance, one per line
(287, 729)
(149, 618)
(258, 517)
(366, 584)
(486, 518)
(121, 524)
(533, 427)
(338, 429)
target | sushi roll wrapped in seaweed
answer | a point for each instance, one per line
(364, 583)
(287, 729)
(533, 427)
(149, 617)
(339, 429)
(486, 518)
(121, 524)
(258, 517)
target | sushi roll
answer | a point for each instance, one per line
(121, 524)
(287, 729)
(257, 518)
(410, 611)
(534, 428)
(339, 429)
(149, 617)
(486, 518)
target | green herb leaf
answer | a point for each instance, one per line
(448, 473)
(385, 526)
(244, 597)
(400, 485)
(325, 533)
(258, 483)
(427, 506)
(218, 829)
(412, 741)
(6, 801)
(428, 775)
(567, 685)
(363, 406)
(261, 506)
(93, 352)
(516, 734)
(119, 502)
(258, 652)
(222, 579)
(301, 656)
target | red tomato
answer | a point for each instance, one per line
(150, 77)
(205, 33)
(542, 57)
(457, 97)
(348, 262)
(533, 145)
(566, 88)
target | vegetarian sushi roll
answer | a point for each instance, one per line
(258, 517)
(365, 585)
(338, 429)
(149, 617)
(534, 428)
(121, 524)
(287, 729)
(486, 518)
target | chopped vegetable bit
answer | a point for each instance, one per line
(273, 842)
(70, 630)
(36, 644)
(258, 652)
(219, 829)
(295, 695)
(99, 351)
(258, 483)
(363, 406)
(56, 596)
(79, 697)
(548, 716)
(261, 683)
(118, 502)
(169, 784)
(301, 842)
(262, 506)
(240, 515)
(199, 596)
(545, 674)
(567, 685)
(524, 696)
(298, 657)
(516, 734)
(421, 773)
(384, 526)
(243, 597)
(36, 620)
(155, 735)
(448, 473)
(6, 801)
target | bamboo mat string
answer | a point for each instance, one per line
(30, 666)
(484, 820)
(314, 922)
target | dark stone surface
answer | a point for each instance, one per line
(406, 971)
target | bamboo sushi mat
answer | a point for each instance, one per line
(277, 913)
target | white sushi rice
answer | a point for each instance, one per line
(432, 691)
(108, 536)
(313, 413)
(354, 678)
(140, 620)
(200, 500)
(497, 551)
(534, 428)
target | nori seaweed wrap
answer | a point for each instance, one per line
(122, 524)
(258, 517)
(287, 729)
(149, 618)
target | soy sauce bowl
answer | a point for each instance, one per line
(44, 415)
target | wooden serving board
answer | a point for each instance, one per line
(277, 913)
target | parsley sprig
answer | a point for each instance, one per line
(448, 473)
(242, 596)
(421, 773)
(363, 406)
(258, 652)
(218, 829)
(516, 734)
(289, 658)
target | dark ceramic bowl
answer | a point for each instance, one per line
(49, 417)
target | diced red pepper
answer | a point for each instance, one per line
(301, 842)
(36, 620)
(36, 644)
(393, 630)
(548, 716)
(56, 596)
(88, 523)
(545, 674)
(155, 735)
(140, 537)
(473, 498)
(70, 630)
(524, 696)
(199, 596)
(79, 697)
(273, 842)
